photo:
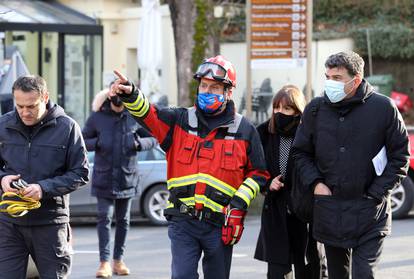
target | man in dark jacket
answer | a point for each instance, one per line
(44, 147)
(116, 138)
(352, 149)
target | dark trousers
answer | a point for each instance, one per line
(49, 246)
(190, 238)
(302, 246)
(363, 259)
(279, 271)
(298, 235)
(297, 242)
(122, 216)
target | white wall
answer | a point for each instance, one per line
(236, 53)
(120, 45)
(321, 50)
(120, 20)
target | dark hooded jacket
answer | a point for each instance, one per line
(51, 154)
(116, 139)
(335, 144)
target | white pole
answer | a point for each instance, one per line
(309, 28)
(248, 66)
(369, 52)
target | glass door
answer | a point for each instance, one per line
(49, 63)
(82, 74)
(75, 77)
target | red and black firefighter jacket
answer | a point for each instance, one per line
(212, 162)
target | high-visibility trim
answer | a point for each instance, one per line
(142, 111)
(145, 108)
(253, 192)
(249, 191)
(246, 191)
(203, 178)
(139, 107)
(135, 104)
(208, 203)
(169, 204)
(182, 181)
(192, 121)
(217, 184)
(236, 234)
(234, 127)
(244, 196)
(253, 184)
(188, 201)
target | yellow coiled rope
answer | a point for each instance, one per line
(17, 205)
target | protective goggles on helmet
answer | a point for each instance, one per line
(211, 70)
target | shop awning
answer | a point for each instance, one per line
(50, 16)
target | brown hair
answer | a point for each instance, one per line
(289, 95)
(29, 83)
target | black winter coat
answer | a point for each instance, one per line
(336, 143)
(53, 156)
(116, 138)
(273, 242)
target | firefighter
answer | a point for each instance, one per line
(215, 168)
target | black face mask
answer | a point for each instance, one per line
(286, 124)
(116, 101)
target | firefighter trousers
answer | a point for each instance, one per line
(191, 237)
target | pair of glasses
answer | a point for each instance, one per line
(212, 70)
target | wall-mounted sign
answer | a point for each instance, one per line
(278, 32)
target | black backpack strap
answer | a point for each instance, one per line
(302, 196)
(315, 107)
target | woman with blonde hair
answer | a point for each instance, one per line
(283, 237)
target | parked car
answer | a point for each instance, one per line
(153, 194)
(402, 198)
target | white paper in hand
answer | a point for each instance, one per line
(380, 161)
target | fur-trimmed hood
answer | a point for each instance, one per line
(100, 99)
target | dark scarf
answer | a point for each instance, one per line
(271, 145)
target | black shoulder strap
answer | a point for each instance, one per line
(315, 107)
(314, 110)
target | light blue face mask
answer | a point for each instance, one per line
(335, 90)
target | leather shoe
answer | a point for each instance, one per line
(104, 270)
(120, 268)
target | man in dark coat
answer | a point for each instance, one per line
(43, 146)
(352, 150)
(116, 138)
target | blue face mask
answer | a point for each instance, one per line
(335, 90)
(210, 103)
